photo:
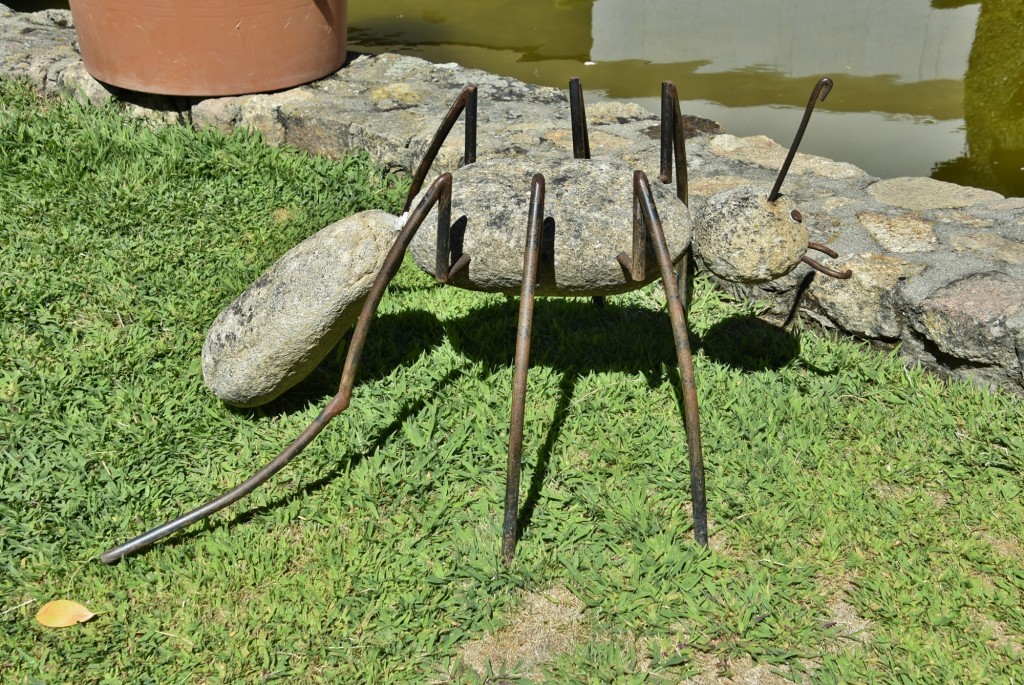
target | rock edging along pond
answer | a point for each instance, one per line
(938, 268)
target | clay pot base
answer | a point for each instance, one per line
(210, 47)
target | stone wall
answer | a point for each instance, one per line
(938, 268)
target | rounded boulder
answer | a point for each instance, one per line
(742, 237)
(277, 331)
(588, 211)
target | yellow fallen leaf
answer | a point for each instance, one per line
(62, 613)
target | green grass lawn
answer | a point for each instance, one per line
(866, 520)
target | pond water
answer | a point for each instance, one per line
(922, 87)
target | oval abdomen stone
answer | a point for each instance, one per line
(588, 212)
(285, 323)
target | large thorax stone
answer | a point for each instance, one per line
(588, 212)
(285, 323)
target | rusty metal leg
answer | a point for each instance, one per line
(677, 314)
(636, 262)
(580, 140)
(466, 100)
(673, 140)
(684, 279)
(578, 116)
(439, 191)
(820, 92)
(522, 365)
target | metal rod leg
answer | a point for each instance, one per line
(677, 314)
(684, 279)
(466, 100)
(439, 191)
(673, 142)
(580, 140)
(578, 117)
(522, 365)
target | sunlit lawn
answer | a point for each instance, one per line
(866, 519)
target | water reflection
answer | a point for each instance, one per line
(795, 38)
(900, 68)
(921, 87)
(535, 31)
(994, 103)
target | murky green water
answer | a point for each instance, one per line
(923, 87)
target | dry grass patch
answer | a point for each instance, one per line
(941, 498)
(1005, 547)
(722, 670)
(904, 493)
(995, 632)
(848, 623)
(544, 625)
(282, 214)
(890, 491)
(719, 540)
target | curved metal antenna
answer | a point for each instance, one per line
(814, 264)
(820, 92)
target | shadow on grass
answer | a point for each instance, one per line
(747, 343)
(570, 336)
(408, 410)
(395, 341)
(574, 338)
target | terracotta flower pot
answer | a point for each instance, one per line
(210, 47)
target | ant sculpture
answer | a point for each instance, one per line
(742, 234)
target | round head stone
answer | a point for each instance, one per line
(742, 237)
